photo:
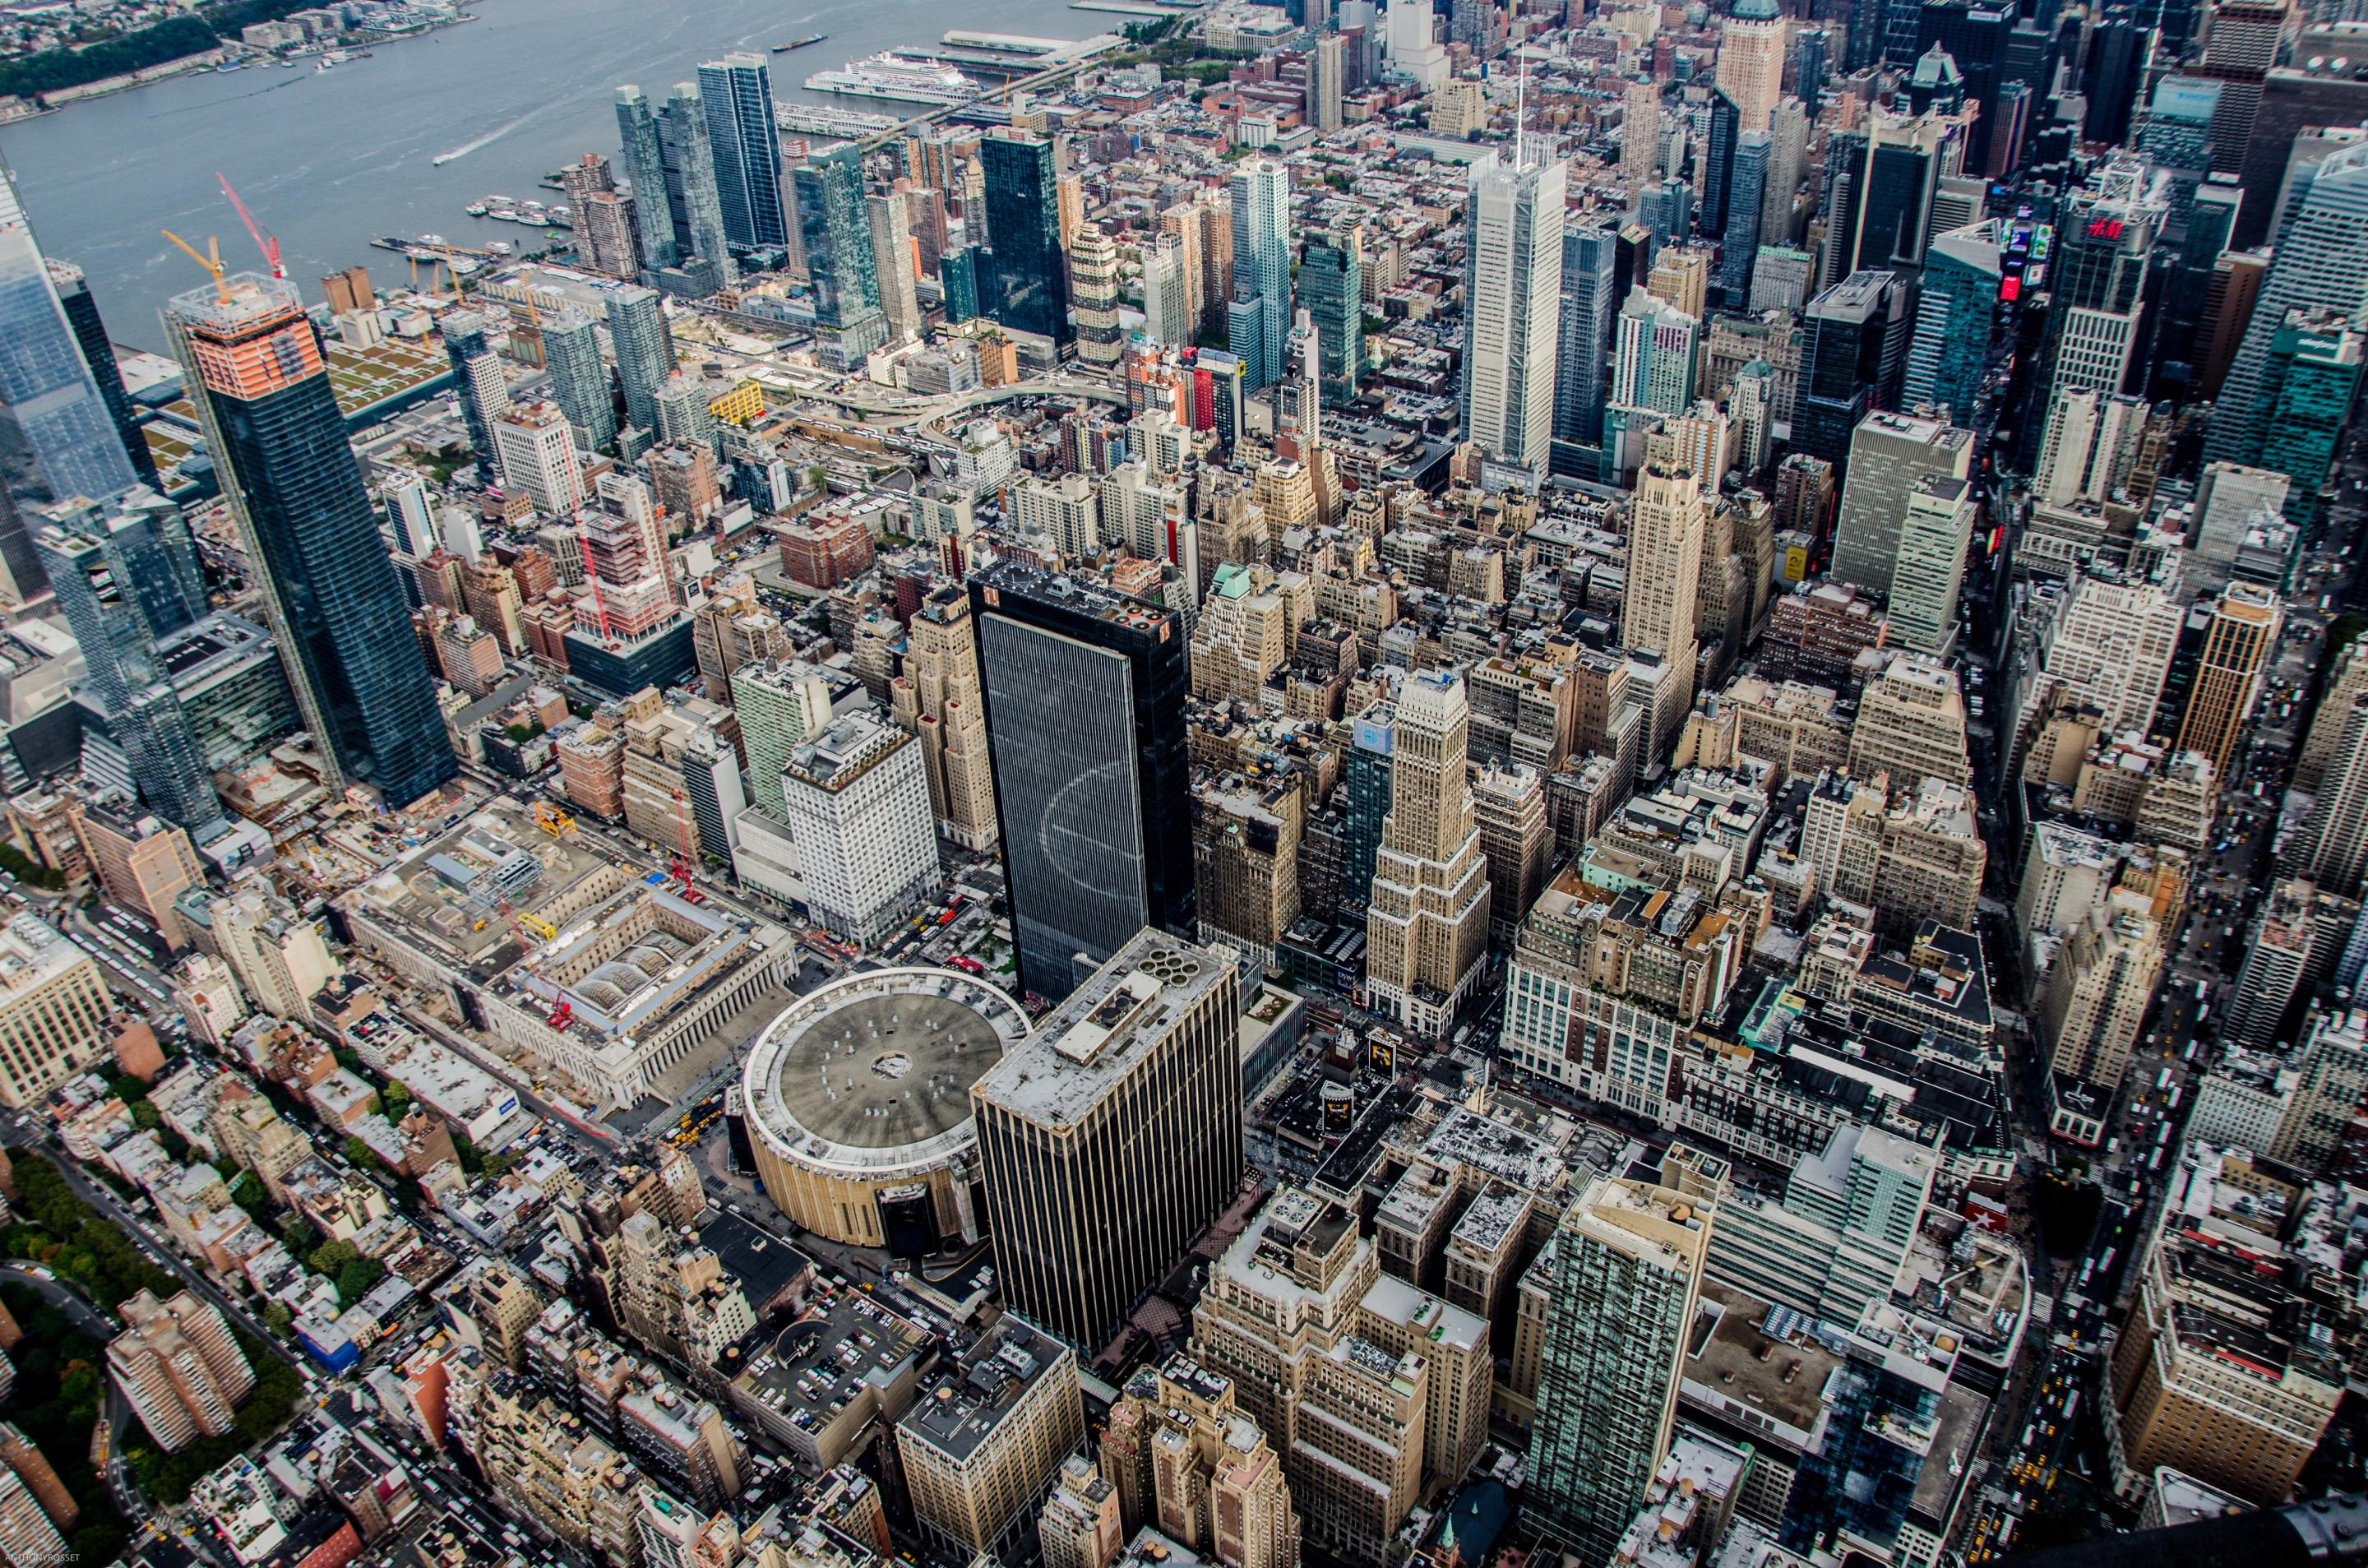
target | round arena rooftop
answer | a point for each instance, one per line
(863, 1087)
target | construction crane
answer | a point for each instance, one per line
(211, 261)
(267, 244)
(564, 1013)
(682, 860)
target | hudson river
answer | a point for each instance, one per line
(327, 160)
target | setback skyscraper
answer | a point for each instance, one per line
(254, 369)
(1084, 691)
(835, 226)
(58, 440)
(1258, 317)
(746, 142)
(1512, 305)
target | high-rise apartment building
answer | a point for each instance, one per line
(645, 349)
(126, 576)
(1627, 1270)
(744, 140)
(271, 420)
(1512, 289)
(1027, 283)
(1084, 691)
(835, 231)
(1326, 58)
(179, 1369)
(856, 796)
(1114, 1134)
(1093, 272)
(58, 440)
(694, 199)
(1331, 290)
(29, 1536)
(534, 447)
(1427, 918)
(892, 261)
(1889, 454)
(2240, 630)
(1257, 317)
(579, 379)
(644, 154)
(1911, 725)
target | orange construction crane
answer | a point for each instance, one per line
(267, 244)
(211, 261)
(682, 860)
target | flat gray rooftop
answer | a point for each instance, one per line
(881, 1072)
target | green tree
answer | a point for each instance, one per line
(278, 1317)
(359, 1155)
(355, 1279)
(330, 1257)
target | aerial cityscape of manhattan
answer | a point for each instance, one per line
(1184, 784)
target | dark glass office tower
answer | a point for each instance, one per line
(1718, 151)
(99, 352)
(127, 579)
(254, 369)
(1582, 349)
(1331, 290)
(1084, 692)
(835, 226)
(644, 158)
(1026, 286)
(1855, 353)
(745, 143)
(1739, 245)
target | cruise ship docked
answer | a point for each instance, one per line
(897, 76)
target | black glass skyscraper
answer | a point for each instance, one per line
(1853, 362)
(1083, 692)
(98, 354)
(1718, 151)
(746, 142)
(1026, 287)
(836, 229)
(126, 577)
(254, 368)
(1331, 288)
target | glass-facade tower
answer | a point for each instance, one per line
(1026, 281)
(644, 157)
(1331, 290)
(255, 371)
(746, 142)
(57, 439)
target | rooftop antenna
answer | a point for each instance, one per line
(1521, 111)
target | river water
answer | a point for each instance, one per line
(328, 160)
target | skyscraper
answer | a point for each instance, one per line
(2320, 261)
(1331, 290)
(1627, 1272)
(746, 142)
(1928, 572)
(2310, 382)
(126, 577)
(1582, 348)
(1171, 314)
(694, 202)
(1955, 309)
(1027, 283)
(644, 156)
(1751, 47)
(835, 226)
(2239, 632)
(1851, 363)
(99, 352)
(1657, 614)
(2096, 288)
(1889, 454)
(1324, 69)
(477, 380)
(57, 439)
(579, 378)
(1426, 921)
(892, 263)
(1084, 692)
(271, 420)
(1881, 212)
(1113, 1134)
(1746, 194)
(645, 349)
(1512, 306)
(1652, 374)
(1257, 320)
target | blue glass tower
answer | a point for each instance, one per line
(2320, 262)
(637, 330)
(1583, 347)
(255, 371)
(1331, 290)
(1954, 309)
(58, 440)
(1738, 237)
(579, 379)
(693, 205)
(1025, 284)
(99, 352)
(645, 156)
(745, 142)
(1259, 318)
(127, 579)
